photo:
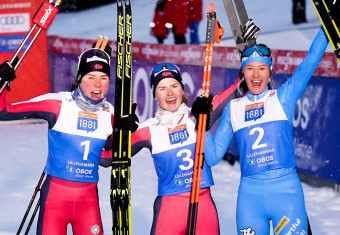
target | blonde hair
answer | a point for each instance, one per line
(185, 99)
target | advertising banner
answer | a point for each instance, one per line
(317, 129)
(315, 123)
(32, 74)
(65, 70)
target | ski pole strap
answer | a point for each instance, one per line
(219, 31)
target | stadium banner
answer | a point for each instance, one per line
(33, 73)
(316, 129)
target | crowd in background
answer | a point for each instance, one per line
(177, 16)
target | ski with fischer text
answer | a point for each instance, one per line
(329, 14)
(120, 192)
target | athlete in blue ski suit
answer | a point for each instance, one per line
(270, 189)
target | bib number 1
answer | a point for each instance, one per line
(86, 143)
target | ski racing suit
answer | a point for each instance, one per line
(171, 139)
(270, 188)
(76, 140)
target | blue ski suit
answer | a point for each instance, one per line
(270, 189)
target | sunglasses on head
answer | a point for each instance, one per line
(261, 49)
(164, 67)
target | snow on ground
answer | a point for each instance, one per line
(24, 146)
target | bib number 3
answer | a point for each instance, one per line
(185, 154)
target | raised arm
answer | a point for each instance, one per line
(221, 100)
(215, 147)
(291, 91)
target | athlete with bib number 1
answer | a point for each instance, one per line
(80, 124)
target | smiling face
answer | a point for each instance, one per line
(257, 76)
(95, 85)
(169, 94)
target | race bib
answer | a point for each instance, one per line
(254, 111)
(178, 134)
(87, 121)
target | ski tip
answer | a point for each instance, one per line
(99, 42)
(104, 43)
(57, 3)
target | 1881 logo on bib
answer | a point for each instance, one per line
(179, 134)
(254, 111)
(87, 121)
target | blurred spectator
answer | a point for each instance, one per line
(299, 11)
(158, 26)
(195, 16)
(176, 13)
(171, 14)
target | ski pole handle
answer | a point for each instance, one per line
(211, 37)
(42, 19)
(45, 14)
(211, 23)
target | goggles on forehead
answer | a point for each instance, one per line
(260, 53)
(162, 71)
(260, 49)
(164, 67)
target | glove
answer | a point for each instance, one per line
(250, 31)
(128, 122)
(202, 105)
(7, 73)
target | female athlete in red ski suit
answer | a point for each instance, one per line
(80, 124)
(171, 137)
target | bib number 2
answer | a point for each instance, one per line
(256, 144)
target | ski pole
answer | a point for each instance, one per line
(41, 19)
(37, 189)
(214, 34)
(100, 44)
(32, 217)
